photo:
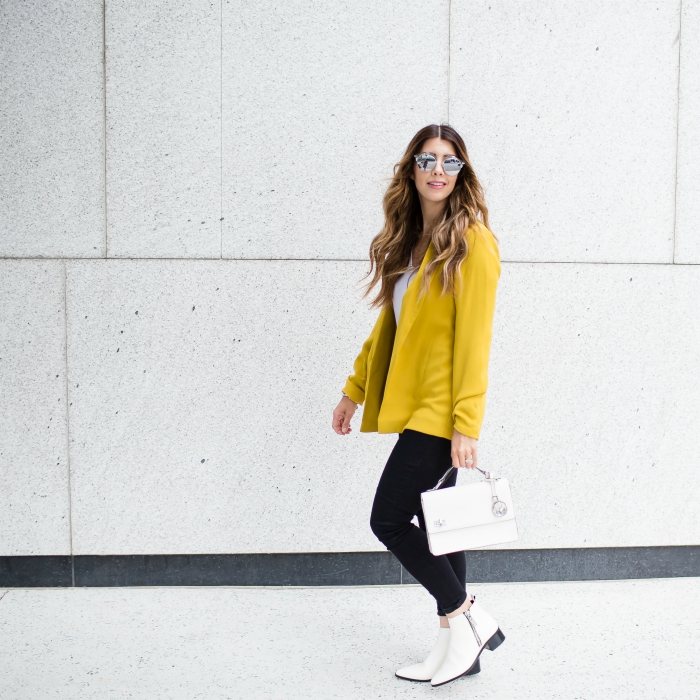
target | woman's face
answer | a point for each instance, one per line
(436, 185)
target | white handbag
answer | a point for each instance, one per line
(469, 516)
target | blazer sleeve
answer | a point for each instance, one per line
(474, 310)
(355, 384)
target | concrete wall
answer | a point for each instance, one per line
(187, 195)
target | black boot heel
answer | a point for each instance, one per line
(474, 669)
(496, 640)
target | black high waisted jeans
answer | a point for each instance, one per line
(416, 464)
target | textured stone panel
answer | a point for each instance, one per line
(34, 517)
(687, 248)
(164, 128)
(202, 422)
(569, 114)
(51, 129)
(202, 400)
(319, 101)
(594, 402)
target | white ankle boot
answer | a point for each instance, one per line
(470, 633)
(425, 670)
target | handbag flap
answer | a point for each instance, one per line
(463, 506)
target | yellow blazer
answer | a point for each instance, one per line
(430, 374)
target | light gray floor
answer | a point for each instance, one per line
(611, 640)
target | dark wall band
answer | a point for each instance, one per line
(343, 568)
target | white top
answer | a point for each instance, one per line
(401, 285)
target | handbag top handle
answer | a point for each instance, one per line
(449, 471)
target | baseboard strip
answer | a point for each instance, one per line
(342, 568)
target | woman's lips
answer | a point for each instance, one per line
(436, 185)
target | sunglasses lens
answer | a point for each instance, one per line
(452, 166)
(426, 162)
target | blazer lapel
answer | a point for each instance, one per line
(411, 305)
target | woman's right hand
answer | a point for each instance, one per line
(342, 414)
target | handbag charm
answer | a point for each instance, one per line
(499, 508)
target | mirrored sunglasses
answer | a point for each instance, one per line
(427, 161)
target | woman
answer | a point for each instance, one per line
(422, 373)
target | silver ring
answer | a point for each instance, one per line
(469, 460)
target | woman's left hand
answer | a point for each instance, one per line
(463, 450)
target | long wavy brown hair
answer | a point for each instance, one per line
(403, 221)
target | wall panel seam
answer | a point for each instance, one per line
(678, 114)
(104, 118)
(221, 128)
(449, 54)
